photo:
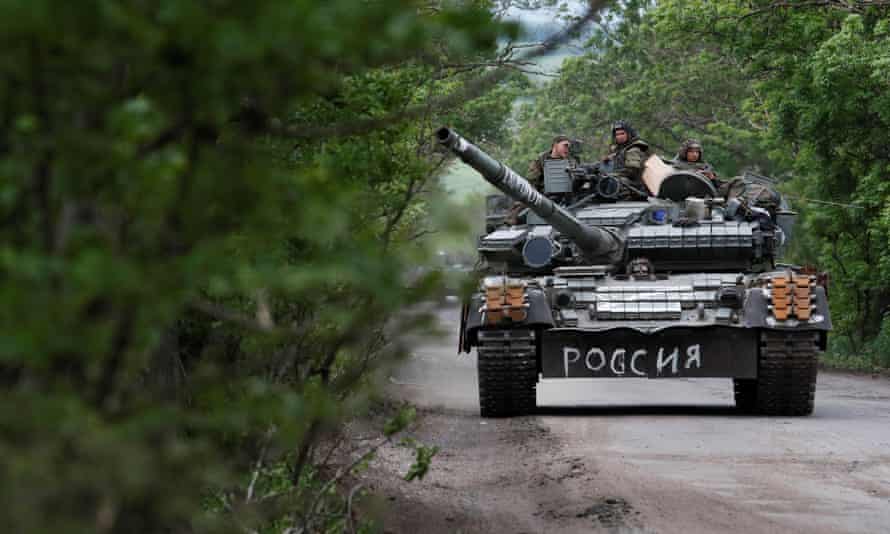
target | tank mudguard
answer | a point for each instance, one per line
(538, 315)
(757, 313)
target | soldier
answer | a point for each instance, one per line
(628, 154)
(691, 157)
(559, 149)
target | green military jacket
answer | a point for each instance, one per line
(629, 159)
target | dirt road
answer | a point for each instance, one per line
(632, 455)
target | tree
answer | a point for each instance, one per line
(202, 213)
(670, 87)
(819, 81)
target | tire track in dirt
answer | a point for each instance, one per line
(639, 456)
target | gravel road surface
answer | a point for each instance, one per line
(635, 455)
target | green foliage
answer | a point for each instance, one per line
(670, 87)
(821, 81)
(423, 457)
(194, 283)
(404, 417)
(871, 356)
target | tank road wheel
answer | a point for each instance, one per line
(786, 375)
(508, 372)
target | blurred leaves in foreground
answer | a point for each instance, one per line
(196, 289)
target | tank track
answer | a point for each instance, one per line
(508, 372)
(786, 375)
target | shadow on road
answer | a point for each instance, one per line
(661, 409)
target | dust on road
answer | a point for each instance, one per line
(631, 455)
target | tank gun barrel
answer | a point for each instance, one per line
(593, 241)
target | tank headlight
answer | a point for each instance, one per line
(608, 187)
(564, 299)
(537, 252)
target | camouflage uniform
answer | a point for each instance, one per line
(628, 160)
(701, 166)
(697, 166)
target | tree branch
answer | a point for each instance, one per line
(248, 495)
(243, 320)
(471, 91)
(849, 6)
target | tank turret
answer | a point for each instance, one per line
(599, 244)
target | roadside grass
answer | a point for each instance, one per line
(850, 362)
(872, 357)
(327, 498)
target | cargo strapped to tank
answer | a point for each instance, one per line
(505, 300)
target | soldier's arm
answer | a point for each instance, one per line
(536, 174)
(708, 171)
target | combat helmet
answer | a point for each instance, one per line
(623, 124)
(687, 144)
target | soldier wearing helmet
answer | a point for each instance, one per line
(691, 157)
(628, 154)
(559, 149)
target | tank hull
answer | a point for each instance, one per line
(764, 331)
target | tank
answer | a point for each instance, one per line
(589, 280)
